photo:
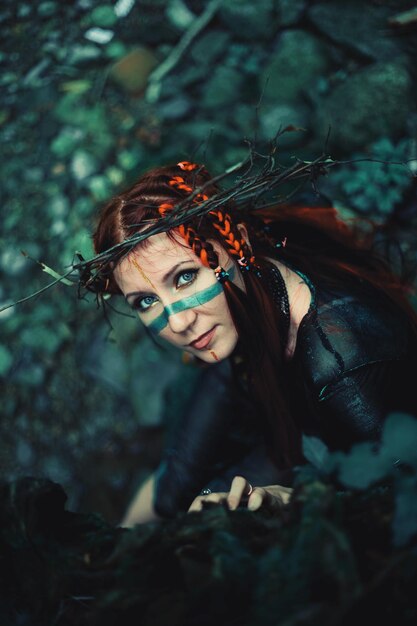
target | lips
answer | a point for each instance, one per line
(203, 341)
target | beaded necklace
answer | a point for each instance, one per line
(274, 282)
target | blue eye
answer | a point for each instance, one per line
(185, 278)
(143, 304)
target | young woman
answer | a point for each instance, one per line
(315, 330)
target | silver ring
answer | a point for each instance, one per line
(250, 490)
(205, 492)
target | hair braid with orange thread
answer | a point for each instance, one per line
(200, 246)
(222, 222)
(237, 246)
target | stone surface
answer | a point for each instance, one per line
(210, 47)
(360, 26)
(178, 13)
(272, 118)
(223, 87)
(290, 11)
(249, 20)
(174, 108)
(298, 62)
(147, 23)
(245, 119)
(374, 102)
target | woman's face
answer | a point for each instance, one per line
(179, 298)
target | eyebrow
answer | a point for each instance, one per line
(165, 277)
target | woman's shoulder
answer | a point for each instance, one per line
(347, 330)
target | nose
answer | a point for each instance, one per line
(183, 320)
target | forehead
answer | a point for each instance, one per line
(155, 258)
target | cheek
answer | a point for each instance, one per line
(219, 312)
(222, 308)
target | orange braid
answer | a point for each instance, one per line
(201, 248)
(222, 222)
(179, 183)
(164, 208)
(236, 244)
(187, 166)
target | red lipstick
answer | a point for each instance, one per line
(203, 341)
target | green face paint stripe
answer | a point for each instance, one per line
(158, 324)
(202, 297)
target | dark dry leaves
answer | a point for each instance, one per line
(327, 557)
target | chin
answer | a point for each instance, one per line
(209, 356)
(216, 352)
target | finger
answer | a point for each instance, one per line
(238, 488)
(198, 503)
(257, 498)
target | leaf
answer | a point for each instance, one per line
(99, 35)
(315, 451)
(6, 360)
(103, 15)
(44, 338)
(292, 129)
(49, 270)
(55, 274)
(64, 144)
(363, 466)
(83, 165)
(352, 185)
(76, 86)
(405, 18)
(404, 524)
(399, 438)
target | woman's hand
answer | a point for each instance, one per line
(273, 497)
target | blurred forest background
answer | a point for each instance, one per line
(92, 94)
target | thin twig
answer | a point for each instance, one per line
(37, 293)
(257, 175)
(155, 79)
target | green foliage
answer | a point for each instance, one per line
(6, 360)
(367, 465)
(315, 451)
(313, 562)
(374, 188)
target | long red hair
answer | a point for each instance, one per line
(319, 244)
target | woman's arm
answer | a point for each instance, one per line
(210, 439)
(141, 509)
(214, 434)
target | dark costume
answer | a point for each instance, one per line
(354, 363)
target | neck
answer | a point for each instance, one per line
(299, 297)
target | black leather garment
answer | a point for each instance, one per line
(219, 435)
(355, 362)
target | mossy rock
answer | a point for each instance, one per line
(248, 19)
(359, 26)
(223, 87)
(296, 65)
(373, 103)
(273, 118)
